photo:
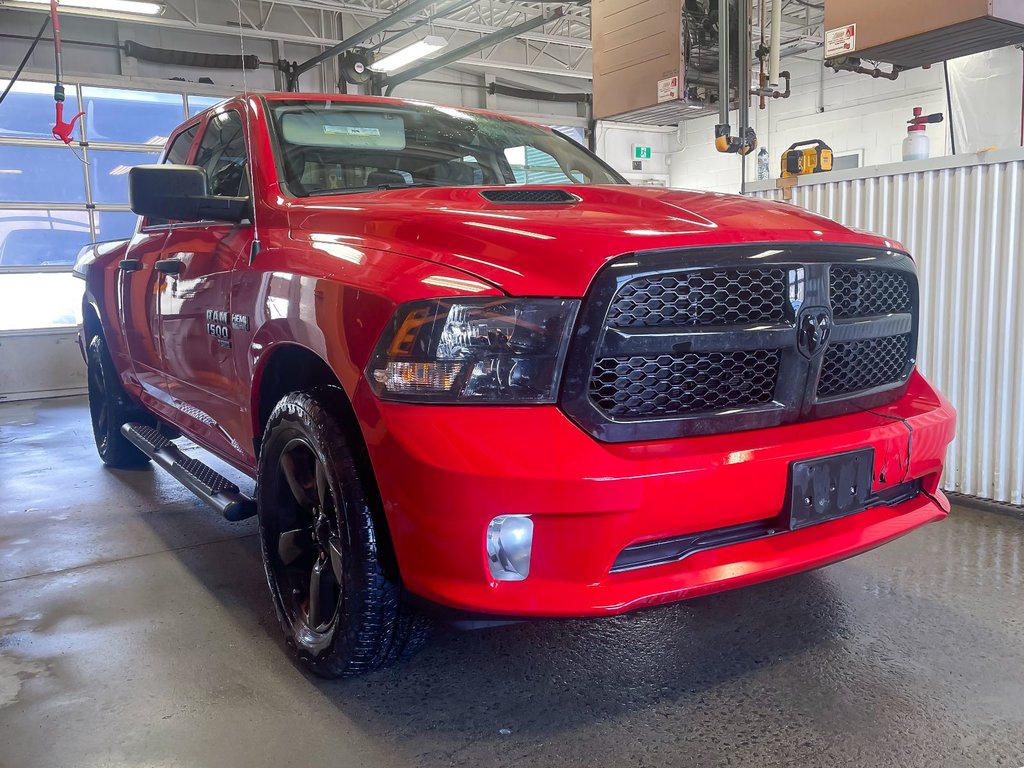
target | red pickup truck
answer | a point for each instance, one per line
(469, 366)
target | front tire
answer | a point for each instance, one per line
(336, 590)
(109, 409)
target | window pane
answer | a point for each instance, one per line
(179, 150)
(28, 110)
(46, 300)
(114, 225)
(197, 104)
(108, 173)
(131, 117)
(42, 238)
(41, 175)
(222, 154)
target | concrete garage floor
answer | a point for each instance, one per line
(135, 629)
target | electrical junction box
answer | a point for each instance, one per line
(915, 33)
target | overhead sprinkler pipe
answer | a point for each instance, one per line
(743, 68)
(746, 141)
(775, 46)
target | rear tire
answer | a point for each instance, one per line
(331, 573)
(110, 408)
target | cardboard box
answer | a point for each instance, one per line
(637, 50)
(913, 33)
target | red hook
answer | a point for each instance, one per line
(61, 130)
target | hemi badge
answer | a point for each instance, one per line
(240, 322)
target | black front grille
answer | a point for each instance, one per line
(706, 297)
(863, 292)
(862, 365)
(667, 385)
(709, 340)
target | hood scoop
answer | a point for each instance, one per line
(529, 196)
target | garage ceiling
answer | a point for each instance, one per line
(557, 53)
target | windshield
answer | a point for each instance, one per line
(336, 147)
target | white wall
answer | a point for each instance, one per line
(40, 364)
(614, 144)
(849, 112)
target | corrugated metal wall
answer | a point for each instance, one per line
(963, 225)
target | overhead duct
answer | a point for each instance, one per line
(190, 58)
(532, 95)
(916, 33)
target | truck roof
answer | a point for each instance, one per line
(360, 99)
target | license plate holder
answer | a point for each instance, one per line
(829, 487)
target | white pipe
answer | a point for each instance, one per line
(775, 62)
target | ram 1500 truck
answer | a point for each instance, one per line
(469, 366)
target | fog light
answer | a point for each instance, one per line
(509, 542)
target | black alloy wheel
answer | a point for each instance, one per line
(110, 408)
(332, 575)
(309, 549)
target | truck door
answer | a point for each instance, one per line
(196, 323)
(140, 287)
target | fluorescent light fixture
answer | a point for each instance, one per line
(119, 6)
(409, 54)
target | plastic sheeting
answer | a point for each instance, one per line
(987, 90)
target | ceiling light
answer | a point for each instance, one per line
(119, 6)
(409, 54)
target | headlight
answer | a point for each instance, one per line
(474, 350)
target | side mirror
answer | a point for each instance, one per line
(180, 193)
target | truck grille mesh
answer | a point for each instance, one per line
(717, 348)
(707, 297)
(868, 292)
(669, 385)
(861, 365)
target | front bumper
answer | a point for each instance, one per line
(445, 472)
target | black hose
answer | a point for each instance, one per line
(24, 61)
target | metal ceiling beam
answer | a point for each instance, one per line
(468, 50)
(453, 7)
(409, 9)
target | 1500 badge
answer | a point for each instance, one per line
(217, 325)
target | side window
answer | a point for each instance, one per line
(222, 153)
(177, 152)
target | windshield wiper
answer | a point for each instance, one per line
(373, 188)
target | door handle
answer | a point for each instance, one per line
(130, 265)
(169, 266)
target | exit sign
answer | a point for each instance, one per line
(641, 153)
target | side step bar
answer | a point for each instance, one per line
(213, 488)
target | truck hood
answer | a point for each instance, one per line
(554, 249)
